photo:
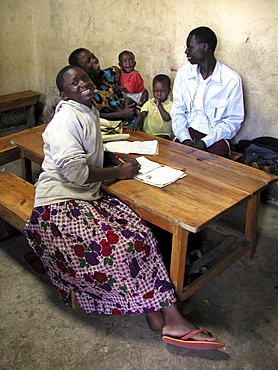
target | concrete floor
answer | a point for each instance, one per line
(40, 332)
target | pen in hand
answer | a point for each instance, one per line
(119, 159)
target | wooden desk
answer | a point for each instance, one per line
(31, 149)
(21, 99)
(213, 187)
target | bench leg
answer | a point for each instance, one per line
(30, 116)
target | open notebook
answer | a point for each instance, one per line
(155, 174)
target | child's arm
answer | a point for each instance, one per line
(144, 97)
(165, 115)
(140, 118)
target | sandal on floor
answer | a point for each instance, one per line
(193, 344)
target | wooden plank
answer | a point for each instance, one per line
(234, 156)
(201, 156)
(9, 154)
(213, 256)
(214, 271)
(18, 100)
(16, 200)
(31, 142)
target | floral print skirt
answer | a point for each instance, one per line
(102, 251)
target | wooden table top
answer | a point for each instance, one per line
(213, 185)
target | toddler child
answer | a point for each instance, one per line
(155, 113)
(131, 82)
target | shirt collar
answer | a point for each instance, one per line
(216, 74)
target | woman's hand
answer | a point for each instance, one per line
(128, 169)
(129, 111)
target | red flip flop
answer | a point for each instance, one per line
(193, 344)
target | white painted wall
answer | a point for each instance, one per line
(37, 37)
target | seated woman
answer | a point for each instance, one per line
(92, 243)
(106, 98)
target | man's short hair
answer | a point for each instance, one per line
(73, 58)
(60, 77)
(206, 35)
(164, 79)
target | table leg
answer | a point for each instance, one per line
(251, 225)
(178, 258)
(26, 167)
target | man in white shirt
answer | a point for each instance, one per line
(207, 97)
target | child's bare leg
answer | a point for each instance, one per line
(155, 320)
(177, 326)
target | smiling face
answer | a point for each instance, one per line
(77, 86)
(127, 62)
(88, 62)
(195, 51)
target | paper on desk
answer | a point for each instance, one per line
(113, 137)
(112, 130)
(133, 147)
(110, 124)
(155, 174)
(146, 165)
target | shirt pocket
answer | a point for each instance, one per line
(216, 109)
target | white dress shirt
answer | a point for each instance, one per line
(213, 106)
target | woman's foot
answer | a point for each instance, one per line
(177, 326)
(155, 320)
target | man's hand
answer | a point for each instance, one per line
(200, 145)
(187, 142)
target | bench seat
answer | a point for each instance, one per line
(18, 100)
(16, 200)
(16, 205)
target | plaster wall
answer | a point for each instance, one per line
(37, 37)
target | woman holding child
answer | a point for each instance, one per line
(92, 243)
(108, 100)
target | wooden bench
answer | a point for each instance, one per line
(16, 205)
(235, 156)
(21, 99)
(28, 99)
